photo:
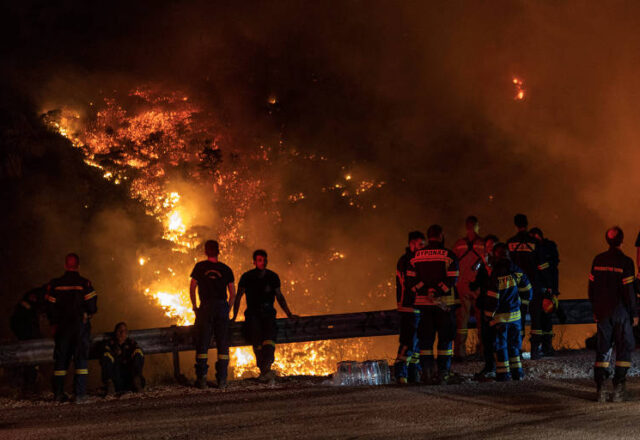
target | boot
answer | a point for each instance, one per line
(547, 346)
(137, 384)
(109, 389)
(618, 392)
(201, 382)
(222, 383)
(536, 352)
(485, 375)
(428, 376)
(601, 394)
(415, 373)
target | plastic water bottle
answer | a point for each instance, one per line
(351, 373)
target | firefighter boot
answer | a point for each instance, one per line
(619, 392)
(428, 376)
(109, 389)
(201, 382)
(601, 394)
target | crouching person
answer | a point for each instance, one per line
(508, 285)
(122, 363)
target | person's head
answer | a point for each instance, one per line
(614, 236)
(435, 234)
(472, 224)
(121, 332)
(212, 249)
(500, 252)
(536, 233)
(521, 222)
(260, 259)
(489, 243)
(416, 240)
(72, 262)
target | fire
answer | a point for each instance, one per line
(149, 144)
(520, 92)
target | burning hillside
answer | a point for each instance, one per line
(175, 160)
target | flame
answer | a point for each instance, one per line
(145, 145)
(520, 92)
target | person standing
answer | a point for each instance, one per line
(508, 284)
(549, 252)
(613, 299)
(212, 279)
(71, 302)
(487, 331)
(262, 287)
(470, 251)
(526, 254)
(407, 366)
(431, 277)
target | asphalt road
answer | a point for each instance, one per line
(538, 408)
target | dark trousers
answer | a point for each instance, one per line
(435, 321)
(407, 362)
(71, 343)
(122, 373)
(541, 326)
(507, 346)
(260, 331)
(212, 319)
(488, 334)
(616, 329)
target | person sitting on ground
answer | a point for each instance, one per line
(122, 363)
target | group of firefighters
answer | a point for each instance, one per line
(70, 302)
(439, 289)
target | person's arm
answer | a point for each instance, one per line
(628, 278)
(236, 302)
(591, 290)
(192, 294)
(90, 301)
(232, 293)
(524, 288)
(283, 303)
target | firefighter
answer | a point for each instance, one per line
(122, 362)
(262, 287)
(549, 251)
(470, 251)
(508, 285)
(613, 300)
(71, 303)
(526, 254)
(407, 366)
(212, 279)
(431, 278)
(487, 331)
(25, 325)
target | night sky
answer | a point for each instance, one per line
(417, 94)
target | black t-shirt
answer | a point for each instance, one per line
(212, 279)
(260, 287)
(638, 240)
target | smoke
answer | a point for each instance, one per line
(417, 96)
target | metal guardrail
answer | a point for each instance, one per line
(175, 339)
